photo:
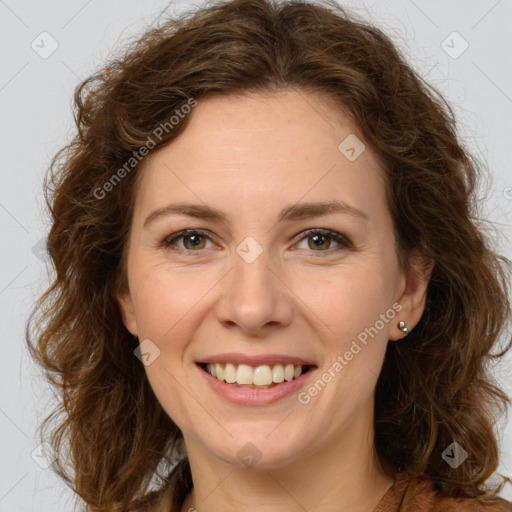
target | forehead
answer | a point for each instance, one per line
(251, 150)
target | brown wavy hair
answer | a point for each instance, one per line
(113, 440)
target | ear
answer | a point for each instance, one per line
(413, 285)
(125, 303)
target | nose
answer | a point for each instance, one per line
(255, 297)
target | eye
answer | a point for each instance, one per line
(192, 240)
(187, 235)
(320, 236)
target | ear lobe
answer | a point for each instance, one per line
(415, 291)
(125, 303)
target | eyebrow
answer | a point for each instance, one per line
(289, 213)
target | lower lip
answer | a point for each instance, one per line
(255, 396)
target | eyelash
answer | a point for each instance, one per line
(337, 237)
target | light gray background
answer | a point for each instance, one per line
(36, 120)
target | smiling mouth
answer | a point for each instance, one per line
(257, 377)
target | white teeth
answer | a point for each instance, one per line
(278, 373)
(243, 374)
(262, 375)
(230, 373)
(288, 372)
(219, 371)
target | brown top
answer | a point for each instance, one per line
(418, 495)
(407, 494)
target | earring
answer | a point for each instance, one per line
(403, 328)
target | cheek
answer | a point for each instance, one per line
(163, 298)
(344, 302)
(169, 307)
(355, 315)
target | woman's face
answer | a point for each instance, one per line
(251, 285)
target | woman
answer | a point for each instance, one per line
(267, 271)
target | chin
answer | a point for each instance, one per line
(255, 451)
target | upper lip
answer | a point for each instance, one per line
(269, 359)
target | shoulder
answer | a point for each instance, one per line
(421, 495)
(418, 494)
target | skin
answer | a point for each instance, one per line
(251, 155)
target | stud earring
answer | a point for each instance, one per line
(402, 327)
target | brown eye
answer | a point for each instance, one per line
(320, 240)
(191, 240)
